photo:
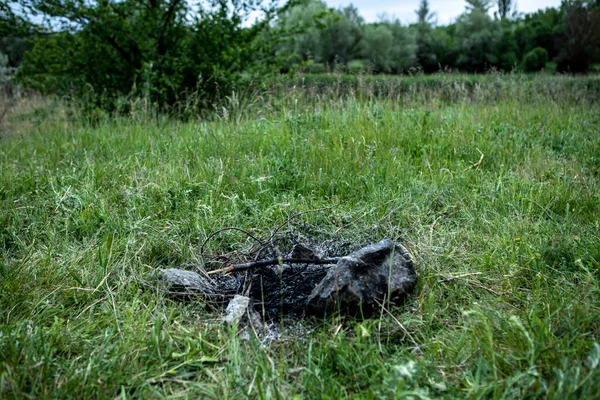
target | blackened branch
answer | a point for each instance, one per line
(274, 261)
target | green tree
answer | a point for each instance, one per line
(14, 28)
(426, 47)
(444, 45)
(376, 45)
(540, 29)
(341, 36)
(477, 38)
(12, 22)
(535, 60)
(404, 49)
(389, 46)
(505, 8)
(507, 49)
(14, 47)
(323, 35)
(425, 40)
(424, 14)
(303, 24)
(579, 40)
(103, 49)
(480, 5)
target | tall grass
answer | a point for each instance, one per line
(494, 192)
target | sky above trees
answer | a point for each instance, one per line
(446, 10)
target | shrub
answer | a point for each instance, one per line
(358, 66)
(535, 60)
(163, 53)
(317, 68)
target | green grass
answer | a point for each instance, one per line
(450, 87)
(507, 249)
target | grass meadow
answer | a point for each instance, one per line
(492, 183)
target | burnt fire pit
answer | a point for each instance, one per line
(306, 283)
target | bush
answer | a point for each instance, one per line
(358, 67)
(535, 60)
(317, 68)
(164, 54)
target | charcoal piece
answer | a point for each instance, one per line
(284, 290)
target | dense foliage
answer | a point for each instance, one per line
(475, 42)
(163, 49)
(171, 51)
(535, 60)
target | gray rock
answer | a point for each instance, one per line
(240, 311)
(361, 281)
(185, 283)
(181, 279)
(237, 307)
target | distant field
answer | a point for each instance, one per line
(449, 86)
(492, 183)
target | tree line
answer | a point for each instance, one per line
(568, 37)
(166, 49)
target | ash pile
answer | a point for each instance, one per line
(303, 282)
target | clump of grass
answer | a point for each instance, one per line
(506, 246)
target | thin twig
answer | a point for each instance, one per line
(274, 261)
(263, 243)
(229, 228)
(294, 215)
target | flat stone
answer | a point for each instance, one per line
(188, 280)
(361, 281)
(236, 309)
(184, 283)
(240, 312)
